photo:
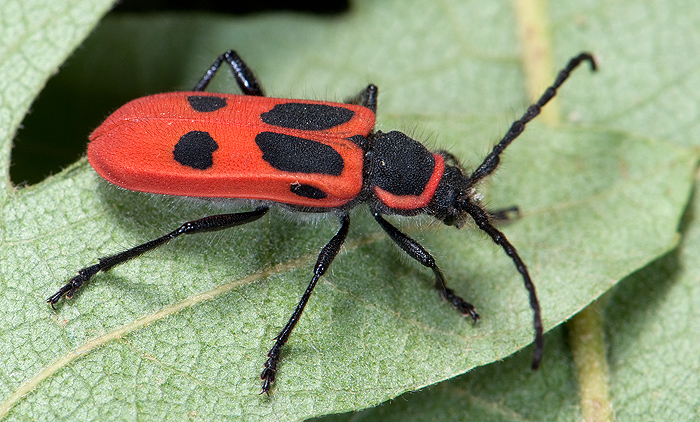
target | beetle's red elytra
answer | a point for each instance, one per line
(180, 143)
(302, 155)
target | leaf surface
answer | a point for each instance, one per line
(182, 332)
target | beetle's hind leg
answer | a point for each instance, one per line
(206, 224)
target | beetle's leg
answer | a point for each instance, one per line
(491, 161)
(417, 252)
(503, 214)
(245, 78)
(366, 98)
(206, 224)
(328, 253)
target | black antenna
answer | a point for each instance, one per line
(490, 163)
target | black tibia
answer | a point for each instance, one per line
(327, 255)
(245, 78)
(417, 252)
(206, 224)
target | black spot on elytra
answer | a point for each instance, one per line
(399, 164)
(206, 103)
(304, 116)
(307, 191)
(195, 149)
(299, 155)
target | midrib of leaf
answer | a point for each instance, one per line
(588, 347)
(535, 39)
(586, 328)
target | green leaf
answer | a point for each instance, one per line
(182, 332)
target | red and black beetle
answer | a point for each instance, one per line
(302, 155)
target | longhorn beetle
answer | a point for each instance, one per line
(304, 156)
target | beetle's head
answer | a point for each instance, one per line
(454, 196)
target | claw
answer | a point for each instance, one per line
(69, 289)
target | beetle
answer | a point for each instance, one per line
(301, 155)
